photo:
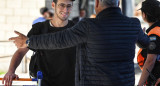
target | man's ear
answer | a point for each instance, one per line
(97, 3)
(144, 15)
(53, 5)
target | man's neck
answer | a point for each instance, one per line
(150, 24)
(56, 22)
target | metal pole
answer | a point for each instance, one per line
(128, 7)
(39, 77)
(124, 7)
(24, 64)
(39, 82)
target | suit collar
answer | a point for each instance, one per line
(108, 12)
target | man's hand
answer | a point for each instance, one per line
(158, 82)
(19, 41)
(8, 78)
(144, 29)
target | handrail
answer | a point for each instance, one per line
(20, 79)
(11, 56)
(5, 41)
(6, 56)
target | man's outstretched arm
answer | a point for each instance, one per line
(158, 82)
(143, 39)
(62, 39)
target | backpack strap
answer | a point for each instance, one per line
(44, 30)
(34, 59)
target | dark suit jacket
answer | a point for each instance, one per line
(75, 20)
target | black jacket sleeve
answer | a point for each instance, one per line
(62, 39)
(143, 39)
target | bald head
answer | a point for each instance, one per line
(109, 3)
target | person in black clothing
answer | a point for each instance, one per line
(105, 46)
(82, 14)
(58, 65)
(151, 14)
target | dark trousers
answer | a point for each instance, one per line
(46, 82)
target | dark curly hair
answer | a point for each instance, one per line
(55, 1)
(152, 10)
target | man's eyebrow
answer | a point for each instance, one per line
(67, 4)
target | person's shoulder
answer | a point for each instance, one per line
(134, 19)
(36, 25)
(40, 19)
(37, 28)
(37, 20)
(155, 31)
(40, 24)
(130, 19)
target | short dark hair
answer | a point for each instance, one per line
(55, 1)
(151, 8)
(43, 10)
(81, 10)
(110, 3)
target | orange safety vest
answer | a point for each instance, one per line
(140, 58)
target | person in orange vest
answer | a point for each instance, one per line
(149, 59)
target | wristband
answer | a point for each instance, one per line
(27, 42)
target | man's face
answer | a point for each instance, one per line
(46, 15)
(62, 9)
(82, 13)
